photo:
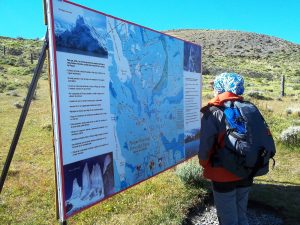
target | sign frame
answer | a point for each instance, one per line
(55, 95)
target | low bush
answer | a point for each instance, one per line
(296, 122)
(13, 93)
(258, 95)
(208, 96)
(269, 108)
(296, 87)
(18, 105)
(190, 173)
(3, 85)
(11, 61)
(21, 62)
(47, 126)
(11, 87)
(291, 136)
(293, 111)
(288, 111)
(28, 71)
(15, 51)
(296, 112)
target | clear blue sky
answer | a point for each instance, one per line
(280, 18)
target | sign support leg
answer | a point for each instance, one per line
(24, 112)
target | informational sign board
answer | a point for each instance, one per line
(126, 103)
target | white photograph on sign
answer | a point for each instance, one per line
(88, 181)
(80, 32)
(192, 58)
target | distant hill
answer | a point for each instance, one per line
(236, 43)
(249, 53)
(18, 58)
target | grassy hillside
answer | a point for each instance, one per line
(15, 62)
(28, 196)
(251, 54)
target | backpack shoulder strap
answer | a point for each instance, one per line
(210, 109)
(213, 108)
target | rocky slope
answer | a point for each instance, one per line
(249, 53)
(236, 43)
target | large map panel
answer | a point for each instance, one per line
(126, 103)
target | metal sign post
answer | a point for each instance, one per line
(31, 90)
(30, 94)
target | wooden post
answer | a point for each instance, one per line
(4, 50)
(282, 85)
(31, 58)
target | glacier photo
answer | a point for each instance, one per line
(192, 58)
(85, 185)
(80, 38)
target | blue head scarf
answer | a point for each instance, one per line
(229, 82)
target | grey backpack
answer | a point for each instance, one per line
(247, 145)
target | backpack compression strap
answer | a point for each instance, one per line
(260, 162)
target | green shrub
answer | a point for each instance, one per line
(11, 61)
(3, 85)
(291, 136)
(208, 96)
(258, 95)
(11, 87)
(269, 108)
(21, 62)
(28, 71)
(18, 105)
(296, 122)
(15, 51)
(288, 111)
(293, 111)
(296, 87)
(13, 93)
(190, 173)
(47, 126)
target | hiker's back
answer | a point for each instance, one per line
(235, 145)
(248, 143)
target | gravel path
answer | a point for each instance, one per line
(256, 216)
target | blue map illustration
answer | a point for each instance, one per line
(146, 97)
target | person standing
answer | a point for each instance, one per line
(230, 190)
